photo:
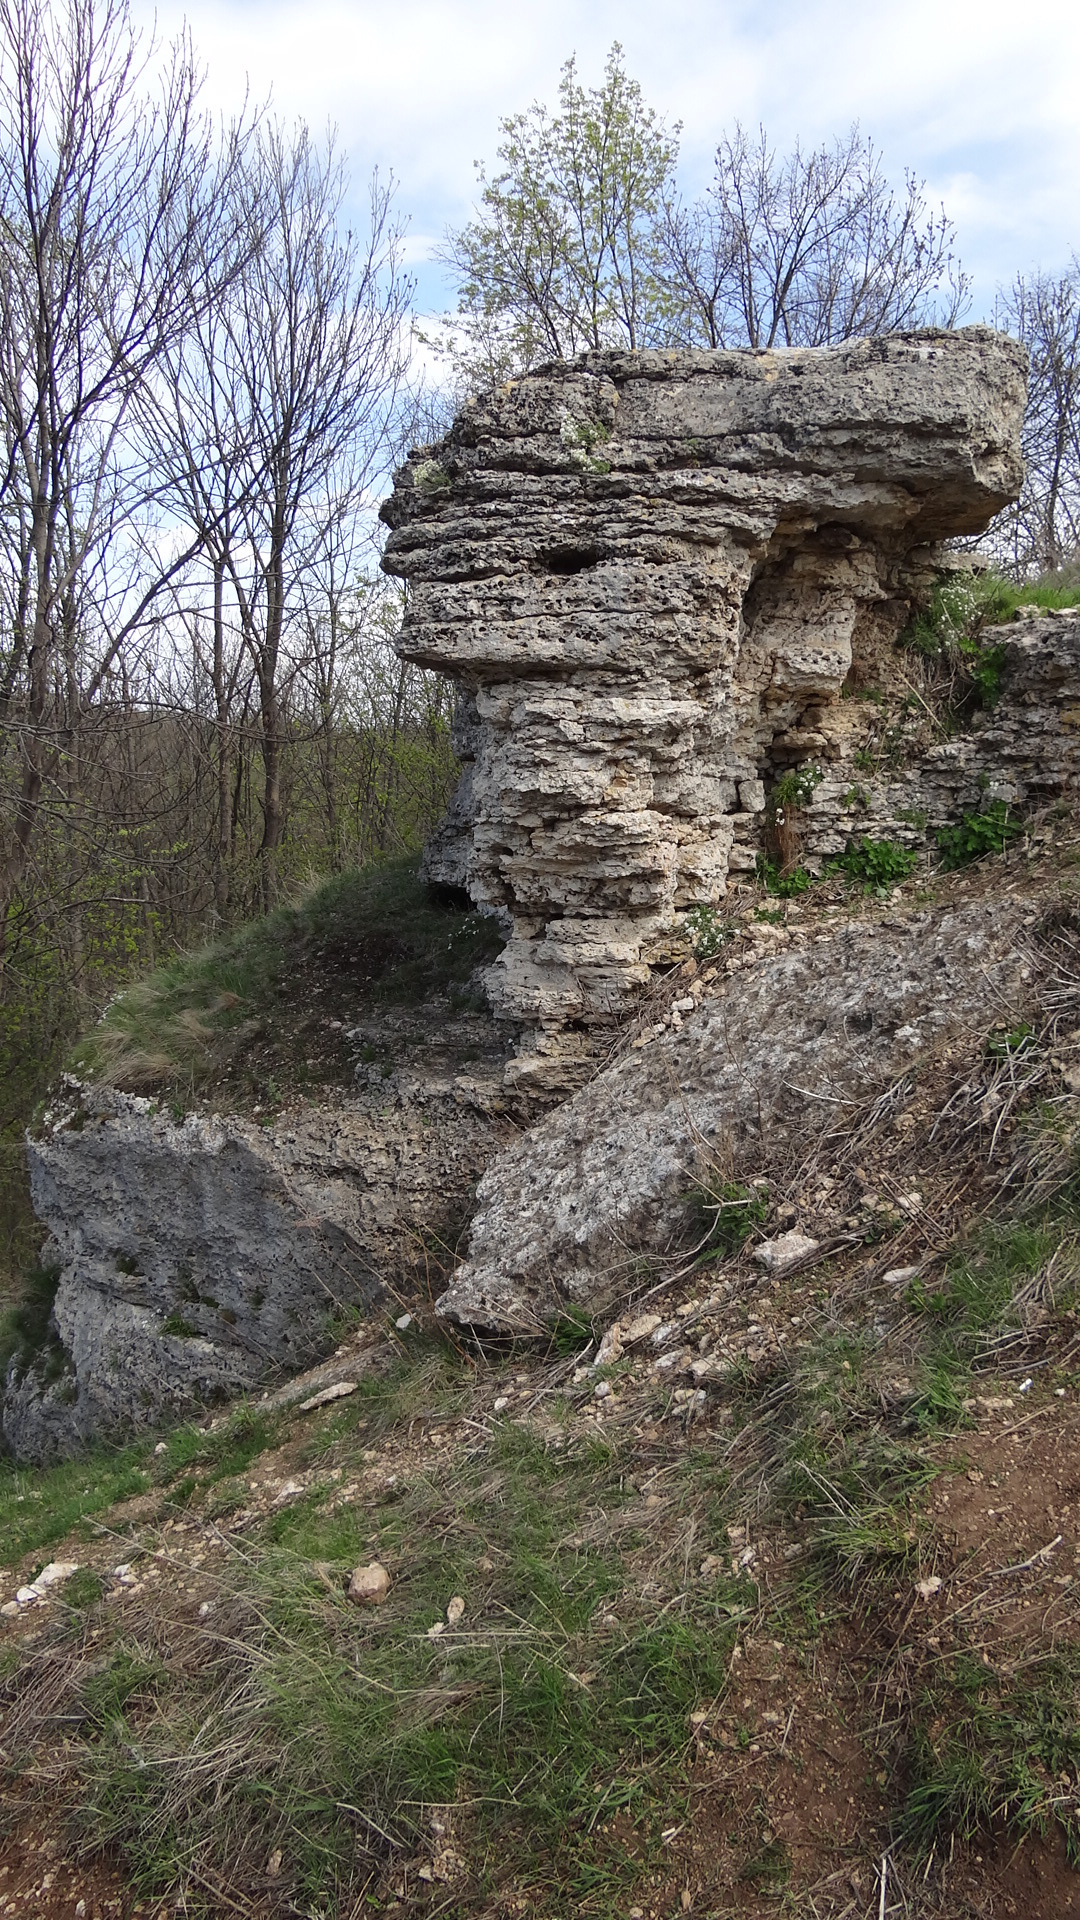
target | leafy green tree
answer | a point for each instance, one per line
(566, 252)
(582, 240)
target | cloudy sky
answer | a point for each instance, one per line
(978, 98)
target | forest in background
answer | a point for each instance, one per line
(206, 378)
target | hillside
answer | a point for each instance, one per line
(571, 1406)
(773, 1603)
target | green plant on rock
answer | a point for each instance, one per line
(178, 1328)
(952, 627)
(728, 1212)
(572, 1331)
(791, 795)
(579, 438)
(796, 788)
(985, 666)
(875, 865)
(958, 608)
(991, 831)
(786, 886)
(1007, 1043)
(432, 477)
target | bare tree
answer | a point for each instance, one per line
(1042, 531)
(101, 194)
(277, 410)
(581, 241)
(809, 248)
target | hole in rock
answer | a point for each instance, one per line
(449, 899)
(570, 560)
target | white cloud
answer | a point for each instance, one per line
(975, 96)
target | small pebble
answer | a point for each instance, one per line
(369, 1585)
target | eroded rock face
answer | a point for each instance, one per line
(749, 1081)
(200, 1260)
(653, 576)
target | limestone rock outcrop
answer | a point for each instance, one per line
(653, 577)
(747, 1082)
(198, 1260)
(1022, 751)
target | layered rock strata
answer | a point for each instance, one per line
(913, 776)
(653, 577)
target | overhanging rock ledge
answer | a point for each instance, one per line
(654, 578)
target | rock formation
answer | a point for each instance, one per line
(745, 1083)
(654, 577)
(199, 1259)
(662, 582)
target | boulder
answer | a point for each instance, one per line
(200, 1259)
(784, 1051)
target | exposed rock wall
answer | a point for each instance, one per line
(749, 1080)
(1023, 750)
(653, 576)
(201, 1259)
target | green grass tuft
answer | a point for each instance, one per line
(379, 925)
(727, 1213)
(990, 1750)
(332, 1734)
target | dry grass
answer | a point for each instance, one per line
(695, 1658)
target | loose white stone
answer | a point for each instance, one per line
(339, 1392)
(369, 1585)
(786, 1251)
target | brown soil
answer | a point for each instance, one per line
(41, 1880)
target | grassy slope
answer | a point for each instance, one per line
(372, 935)
(262, 1015)
(590, 1699)
(711, 1658)
(736, 1652)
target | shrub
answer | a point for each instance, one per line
(729, 1213)
(796, 788)
(786, 885)
(958, 609)
(951, 626)
(707, 932)
(1006, 1044)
